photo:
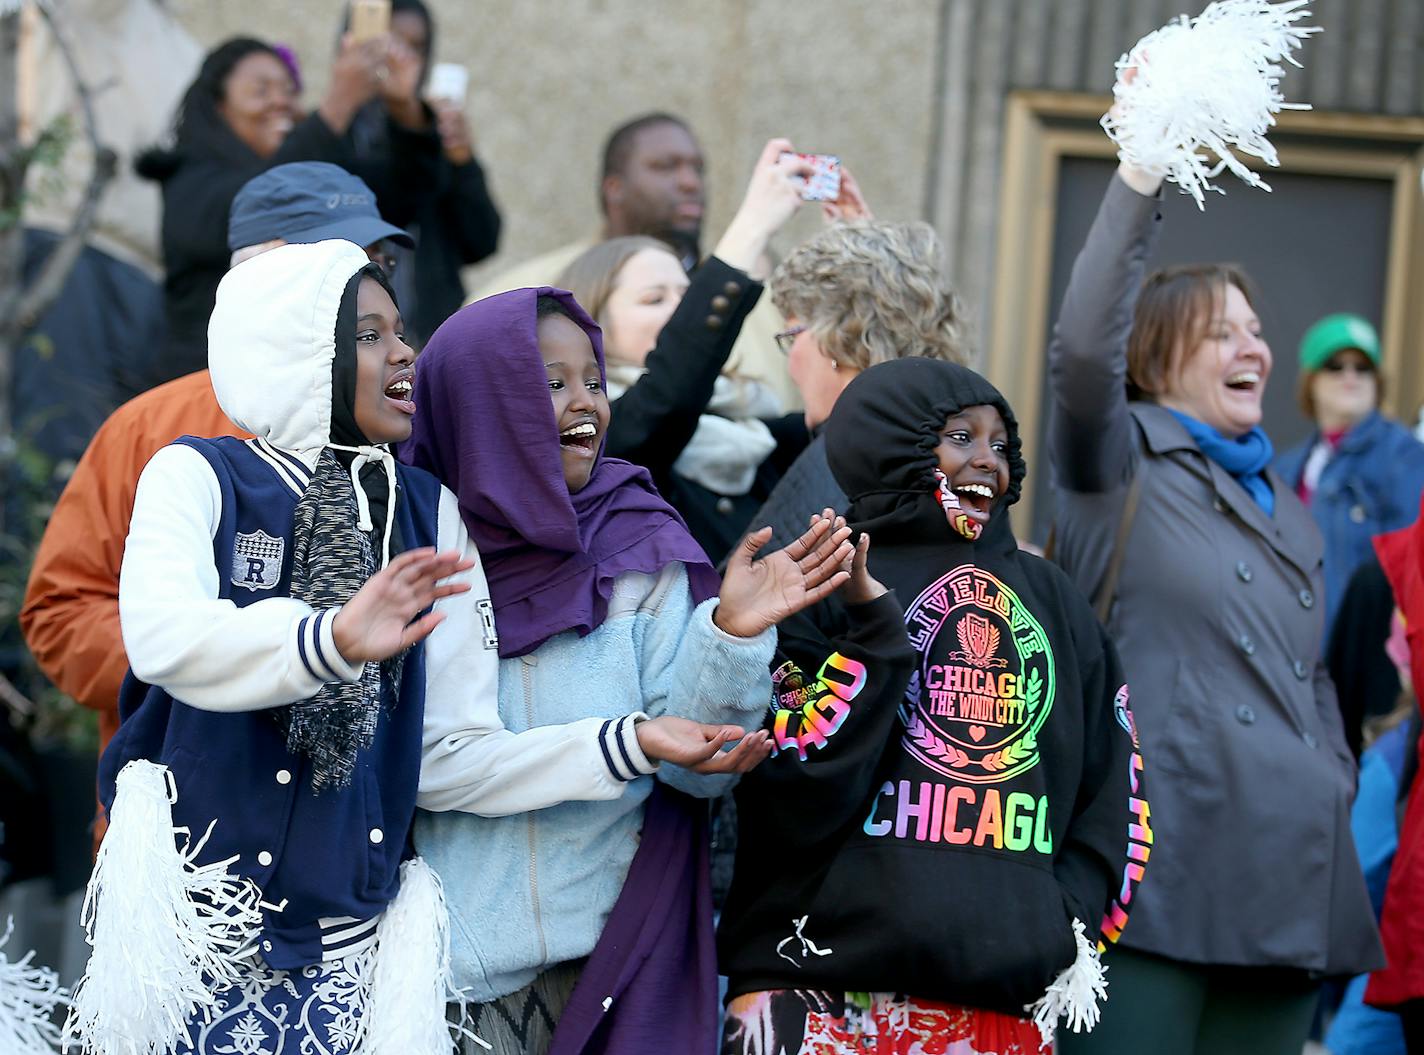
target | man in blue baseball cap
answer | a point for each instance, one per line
(310, 201)
(70, 617)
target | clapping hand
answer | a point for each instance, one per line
(757, 593)
(861, 587)
(698, 747)
(380, 620)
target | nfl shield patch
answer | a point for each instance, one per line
(257, 560)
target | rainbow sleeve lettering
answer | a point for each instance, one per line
(808, 716)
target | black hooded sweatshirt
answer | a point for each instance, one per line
(956, 777)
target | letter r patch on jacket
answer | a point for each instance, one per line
(257, 560)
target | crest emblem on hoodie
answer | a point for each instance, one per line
(985, 682)
(257, 560)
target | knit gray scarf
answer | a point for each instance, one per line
(332, 559)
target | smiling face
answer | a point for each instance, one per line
(973, 455)
(259, 102)
(576, 388)
(647, 291)
(384, 374)
(1344, 390)
(1220, 382)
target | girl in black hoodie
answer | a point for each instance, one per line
(954, 818)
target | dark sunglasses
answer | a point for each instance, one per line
(1338, 366)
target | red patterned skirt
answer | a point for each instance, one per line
(816, 1022)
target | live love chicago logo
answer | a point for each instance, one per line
(985, 684)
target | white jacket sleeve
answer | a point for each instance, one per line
(180, 635)
(470, 762)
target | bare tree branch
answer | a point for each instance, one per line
(33, 302)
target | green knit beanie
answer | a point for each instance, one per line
(1335, 333)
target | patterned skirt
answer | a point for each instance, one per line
(815, 1022)
(313, 1010)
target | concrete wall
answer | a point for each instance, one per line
(909, 92)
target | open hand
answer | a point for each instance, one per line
(758, 593)
(698, 746)
(862, 587)
(377, 622)
(773, 196)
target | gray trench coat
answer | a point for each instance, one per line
(1218, 616)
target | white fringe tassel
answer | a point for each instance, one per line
(412, 981)
(1075, 993)
(167, 934)
(28, 997)
(1209, 83)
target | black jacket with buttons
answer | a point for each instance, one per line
(654, 420)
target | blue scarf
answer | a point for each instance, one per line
(1245, 457)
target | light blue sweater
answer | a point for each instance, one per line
(533, 889)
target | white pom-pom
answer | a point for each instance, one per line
(28, 997)
(1073, 996)
(1211, 83)
(412, 980)
(167, 934)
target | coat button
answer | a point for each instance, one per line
(1310, 741)
(1246, 645)
(264, 859)
(714, 322)
(1357, 514)
(732, 288)
(1301, 670)
(1243, 571)
(1307, 599)
(725, 506)
(720, 303)
(1244, 714)
(266, 946)
(377, 836)
(284, 777)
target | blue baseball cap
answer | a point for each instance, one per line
(308, 201)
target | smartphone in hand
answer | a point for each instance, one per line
(824, 184)
(448, 81)
(370, 19)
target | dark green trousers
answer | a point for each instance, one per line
(1158, 1006)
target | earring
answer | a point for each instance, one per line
(835, 365)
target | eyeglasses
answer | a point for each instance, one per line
(1337, 366)
(786, 338)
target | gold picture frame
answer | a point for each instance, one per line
(1042, 128)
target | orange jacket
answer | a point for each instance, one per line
(70, 618)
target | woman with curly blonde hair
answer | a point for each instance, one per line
(858, 294)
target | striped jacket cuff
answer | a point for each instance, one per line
(316, 648)
(618, 740)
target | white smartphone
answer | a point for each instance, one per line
(448, 80)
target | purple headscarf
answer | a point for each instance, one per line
(484, 425)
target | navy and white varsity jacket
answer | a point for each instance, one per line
(329, 861)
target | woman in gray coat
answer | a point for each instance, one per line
(1254, 892)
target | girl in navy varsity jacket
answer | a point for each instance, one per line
(271, 601)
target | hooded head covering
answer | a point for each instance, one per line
(881, 439)
(282, 354)
(485, 426)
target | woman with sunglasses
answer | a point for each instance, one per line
(1360, 473)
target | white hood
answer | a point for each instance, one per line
(272, 340)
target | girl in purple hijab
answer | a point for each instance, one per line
(622, 661)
